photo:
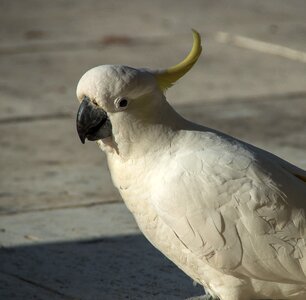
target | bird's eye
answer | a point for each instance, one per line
(122, 103)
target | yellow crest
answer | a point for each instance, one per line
(166, 78)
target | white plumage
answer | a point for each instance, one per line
(231, 215)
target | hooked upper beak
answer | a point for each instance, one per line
(92, 122)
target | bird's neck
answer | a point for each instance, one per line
(148, 133)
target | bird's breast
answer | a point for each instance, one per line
(132, 179)
(137, 182)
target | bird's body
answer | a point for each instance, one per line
(230, 215)
(223, 171)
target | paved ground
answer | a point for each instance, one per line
(64, 232)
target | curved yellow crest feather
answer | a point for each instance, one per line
(166, 78)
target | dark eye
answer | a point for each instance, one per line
(123, 103)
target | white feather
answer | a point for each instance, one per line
(232, 216)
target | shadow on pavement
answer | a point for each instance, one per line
(124, 267)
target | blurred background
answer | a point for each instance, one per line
(64, 232)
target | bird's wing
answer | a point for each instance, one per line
(241, 210)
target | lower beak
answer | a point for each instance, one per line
(92, 122)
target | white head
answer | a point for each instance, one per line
(118, 103)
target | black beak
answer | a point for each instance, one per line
(92, 122)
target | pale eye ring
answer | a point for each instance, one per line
(122, 103)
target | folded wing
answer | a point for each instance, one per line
(240, 209)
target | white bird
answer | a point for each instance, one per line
(230, 215)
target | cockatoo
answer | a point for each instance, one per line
(230, 215)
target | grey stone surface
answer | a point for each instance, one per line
(87, 253)
(44, 165)
(17, 287)
(66, 225)
(63, 232)
(45, 47)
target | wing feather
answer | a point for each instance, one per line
(239, 209)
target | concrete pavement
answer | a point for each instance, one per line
(64, 232)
